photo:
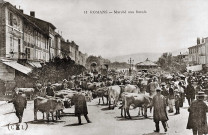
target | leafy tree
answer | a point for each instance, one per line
(171, 63)
(57, 69)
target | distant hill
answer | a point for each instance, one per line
(138, 57)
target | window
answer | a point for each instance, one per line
(10, 19)
(11, 44)
(27, 51)
(19, 42)
(36, 54)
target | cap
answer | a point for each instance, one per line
(158, 89)
(78, 89)
(200, 94)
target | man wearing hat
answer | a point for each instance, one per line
(159, 111)
(79, 101)
(164, 92)
(49, 90)
(141, 85)
(177, 101)
(171, 98)
(152, 86)
(20, 103)
(190, 92)
(197, 120)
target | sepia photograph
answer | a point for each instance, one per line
(103, 67)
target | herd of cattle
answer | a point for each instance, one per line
(128, 94)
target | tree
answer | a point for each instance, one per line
(170, 63)
(57, 70)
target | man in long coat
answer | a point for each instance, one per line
(20, 103)
(159, 112)
(153, 85)
(197, 120)
(190, 92)
(79, 101)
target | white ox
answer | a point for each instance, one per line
(114, 92)
(29, 92)
(130, 88)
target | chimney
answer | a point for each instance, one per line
(32, 13)
(198, 41)
(21, 10)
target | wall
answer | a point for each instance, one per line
(2, 31)
(14, 33)
(6, 73)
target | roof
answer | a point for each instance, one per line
(147, 62)
(24, 16)
(41, 21)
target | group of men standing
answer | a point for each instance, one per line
(174, 93)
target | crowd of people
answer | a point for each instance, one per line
(166, 90)
(171, 90)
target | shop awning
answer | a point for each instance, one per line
(17, 66)
(35, 64)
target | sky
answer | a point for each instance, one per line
(166, 26)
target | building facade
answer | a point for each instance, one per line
(197, 53)
(49, 30)
(26, 42)
(35, 46)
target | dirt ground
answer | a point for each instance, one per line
(104, 122)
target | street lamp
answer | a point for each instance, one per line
(130, 61)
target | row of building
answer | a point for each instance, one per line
(27, 41)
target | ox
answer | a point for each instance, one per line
(102, 92)
(60, 86)
(91, 86)
(114, 92)
(29, 92)
(130, 88)
(66, 95)
(88, 95)
(136, 100)
(48, 106)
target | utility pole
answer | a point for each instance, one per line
(130, 61)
